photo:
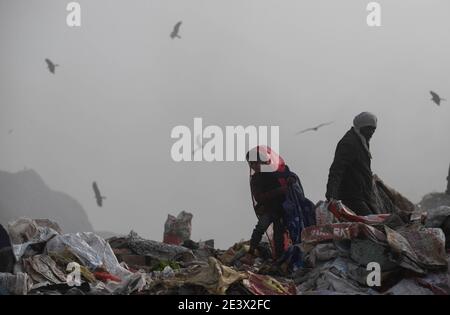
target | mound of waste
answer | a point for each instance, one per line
(400, 251)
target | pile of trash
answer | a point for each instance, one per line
(38, 259)
(437, 209)
(372, 255)
(400, 251)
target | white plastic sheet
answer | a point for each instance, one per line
(90, 249)
(25, 232)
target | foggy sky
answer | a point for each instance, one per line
(123, 84)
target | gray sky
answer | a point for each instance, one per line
(123, 84)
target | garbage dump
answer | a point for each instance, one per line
(437, 209)
(403, 249)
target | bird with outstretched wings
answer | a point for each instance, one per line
(199, 144)
(51, 66)
(98, 196)
(436, 98)
(315, 128)
(175, 31)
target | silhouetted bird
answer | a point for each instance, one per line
(176, 30)
(199, 144)
(314, 128)
(436, 98)
(98, 195)
(51, 66)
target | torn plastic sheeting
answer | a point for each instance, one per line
(41, 268)
(418, 249)
(91, 250)
(215, 277)
(345, 276)
(340, 275)
(266, 285)
(45, 235)
(24, 230)
(342, 213)
(429, 246)
(49, 223)
(341, 231)
(31, 232)
(133, 283)
(404, 253)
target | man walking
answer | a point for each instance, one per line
(350, 176)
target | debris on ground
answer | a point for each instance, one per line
(403, 249)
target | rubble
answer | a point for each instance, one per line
(437, 209)
(333, 257)
(434, 200)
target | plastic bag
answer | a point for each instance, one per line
(25, 232)
(90, 249)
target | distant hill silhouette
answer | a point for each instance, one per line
(25, 194)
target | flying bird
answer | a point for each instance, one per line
(436, 98)
(176, 30)
(51, 66)
(98, 195)
(199, 144)
(315, 128)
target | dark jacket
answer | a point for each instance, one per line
(262, 183)
(350, 176)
